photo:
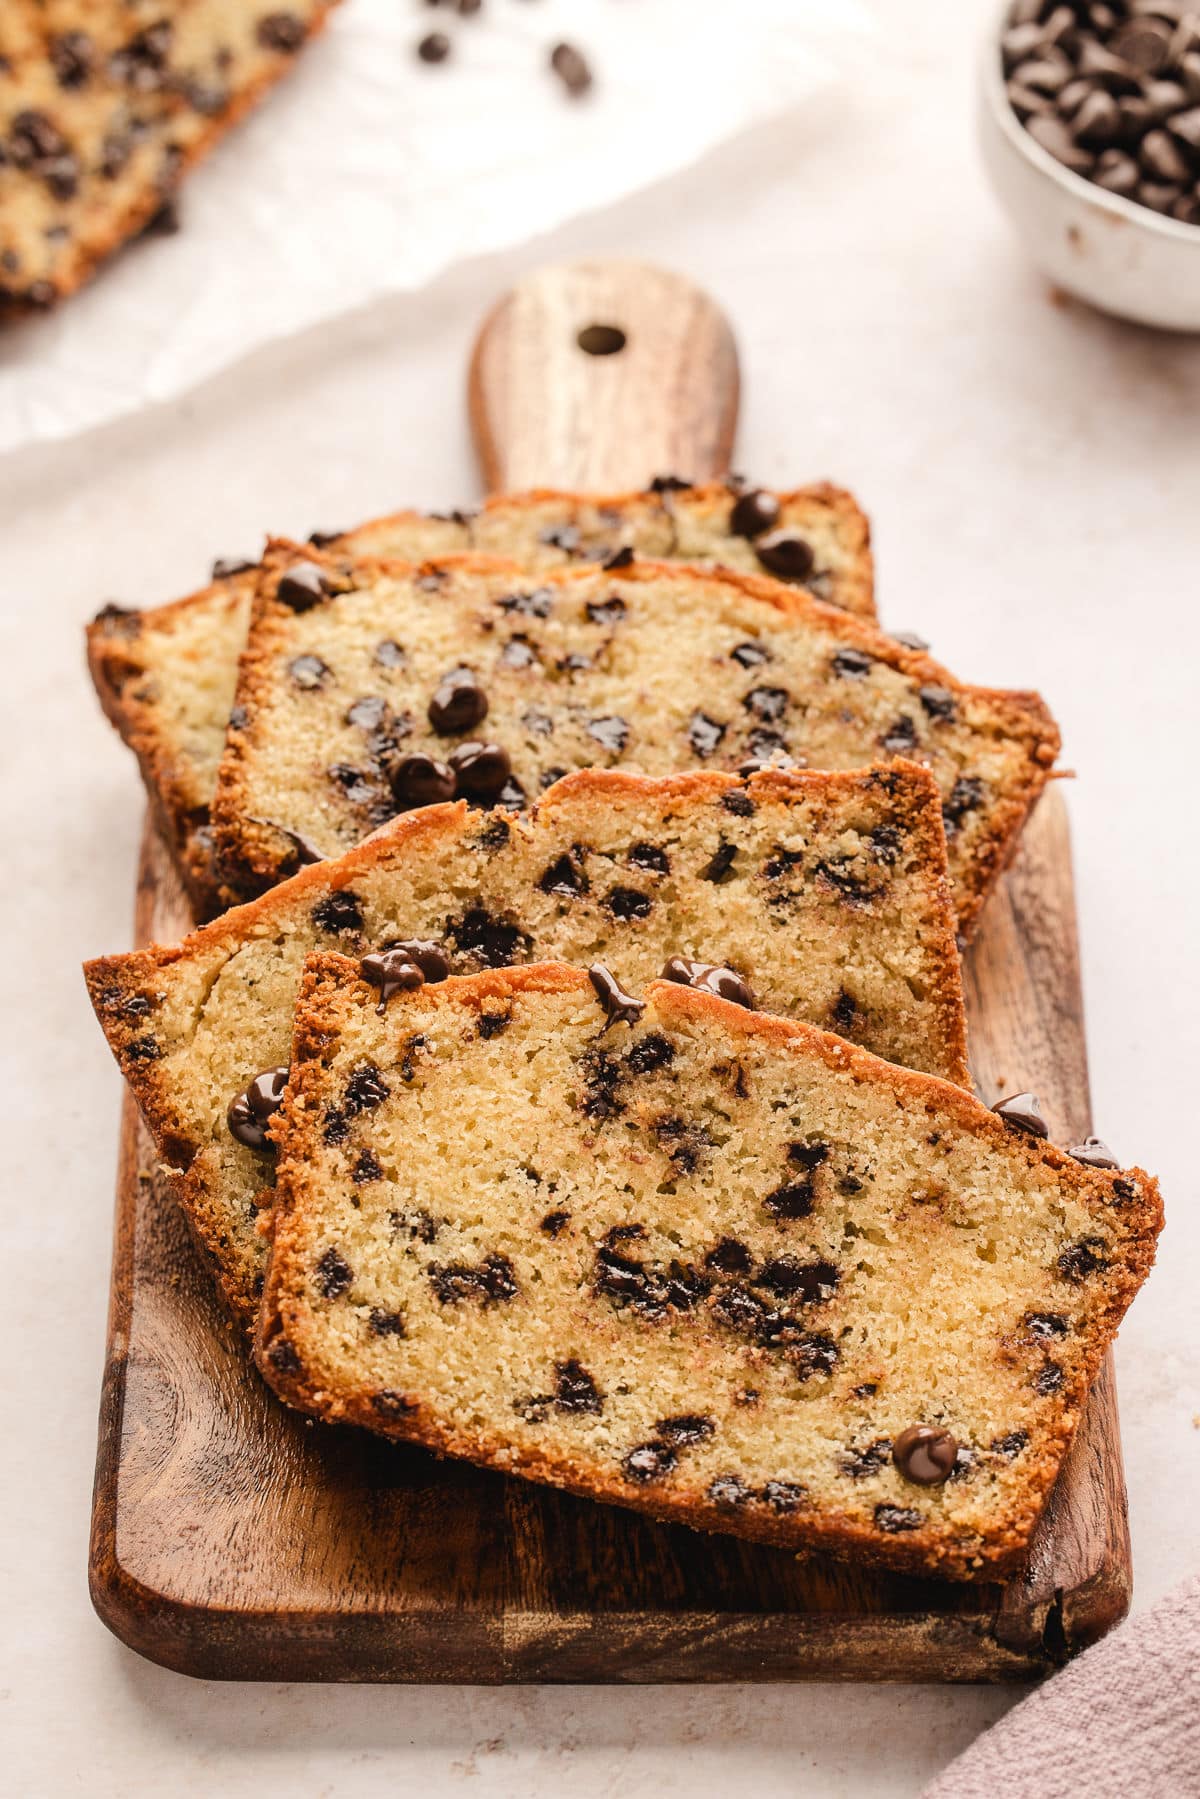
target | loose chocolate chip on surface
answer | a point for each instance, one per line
(434, 48)
(1094, 1154)
(1024, 1112)
(925, 1455)
(785, 555)
(705, 733)
(420, 780)
(252, 1110)
(480, 769)
(392, 971)
(710, 977)
(755, 511)
(572, 69)
(619, 1007)
(301, 586)
(459, 703)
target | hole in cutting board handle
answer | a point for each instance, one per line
(601, 340)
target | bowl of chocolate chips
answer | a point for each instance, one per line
(1090, 128)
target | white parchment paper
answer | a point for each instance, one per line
(368, 173)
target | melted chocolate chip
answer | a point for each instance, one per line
(337, 1127)
(611, 732)
(807, 1282)
(684, 1429)
(421, 780)
(493, 942)
(493, 1024)
(492, 1280)
(785, 555)
(282, 31)
(481, 769)
(564, 876)
(925, 1455)
(843, 1013)
(392, 971)
(720, 865)
(737, 802)
(727, 1492)
(518, 652)
(750, 655)
(901, 738)
(794, 1199)
(419, 1226)
(622, 558)
(334, 1274)
(626, 903)
(72, 54)
(766, 748)
(392, 1405)
(896, 1518)
(561, 537)
(649, 857)
(619, 1007)
(426, 952)
(282, 1356)
(530, 605)
(850, 664)
(754, 512)
(1049, 1379)
(705, 734)
(710, 977)
(459, 703)
(864, 1463)
(388, 654)
(365, 1090)
(783, 1496)
(252, 1110)
(729, 1257)
(1045, 1324)
(385, 1324)
(1024, 1112)
(554, 1223)
(767, 703)
(1094, 1154)
(144, 1049)
(1010, 1446)
(1082, 1259)
(368, 714)
(649, 1461)
(301, 586)
(650, 1053)
(574, 1388)
(606, 612)
(967, 795)
(367, 1168)
(939, 702)
(309, 672)
(339, 912)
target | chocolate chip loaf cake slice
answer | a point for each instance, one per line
(755, 875)
(166, 676)
(717, 1266)
(368, 686)
(104, 105)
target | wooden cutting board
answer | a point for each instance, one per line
(232, 1539)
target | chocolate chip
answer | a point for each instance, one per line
(574, 1388)
(72, 54)
(388, 654)
(227, 566)
(719, 866)
(619, 1007)
(144, 1049)
(767, 749)
(606, 612)
(392, 1405)
(494, 942)
(843, 1013)
(1049, 1379)
(710, 977)
(938, 702)
(729, 1257)
(610, 732)
(571, 67)
(685, 1429)
(767, 703)
(492, 1280)
(785, 555)
(1143, 43)
(896, 1518)
(1010, 1446)
(925, 1455)
(650, 857)
(738, 803)
(648, 1462)
(282, 1356)
(334, 1274)
(669, 484)
(481, 769)
(365, 1090)
(339, 912)
(367, 1168)
(565, 875)
(421, 780)
(864, 1463)
(392, 971)
(851, 664)
(434, 48)
(282, 31)
(368, 714)
(705, 733)
(901, 737)
(1045, 1324)
(1082, 1259)
(784, 1496)
(1024, 1112)
(385, 1324)
(650, 1053)
(536, 604)
(728, 1493)
(337, 1127)
(793, 1199)
(750, 655)
(518, 652)
(809, 1282)
(252, 1110)
(459, 703)
(493, 1024)
(754, 512)
(967, 795)
(1094, 1154)
(626, 903)
(309, 671)
(554, 1223)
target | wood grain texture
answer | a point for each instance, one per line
(232, 1539)
(545, 412)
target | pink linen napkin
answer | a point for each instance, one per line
(1122, 1722)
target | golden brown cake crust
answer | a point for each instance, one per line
(132, 655)
(254, 854)
(150, 1003)
(289, 1346)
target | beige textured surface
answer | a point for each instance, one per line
(1032, 473)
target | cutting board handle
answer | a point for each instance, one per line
(601, 375)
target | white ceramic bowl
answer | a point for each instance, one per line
(1122, 258)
